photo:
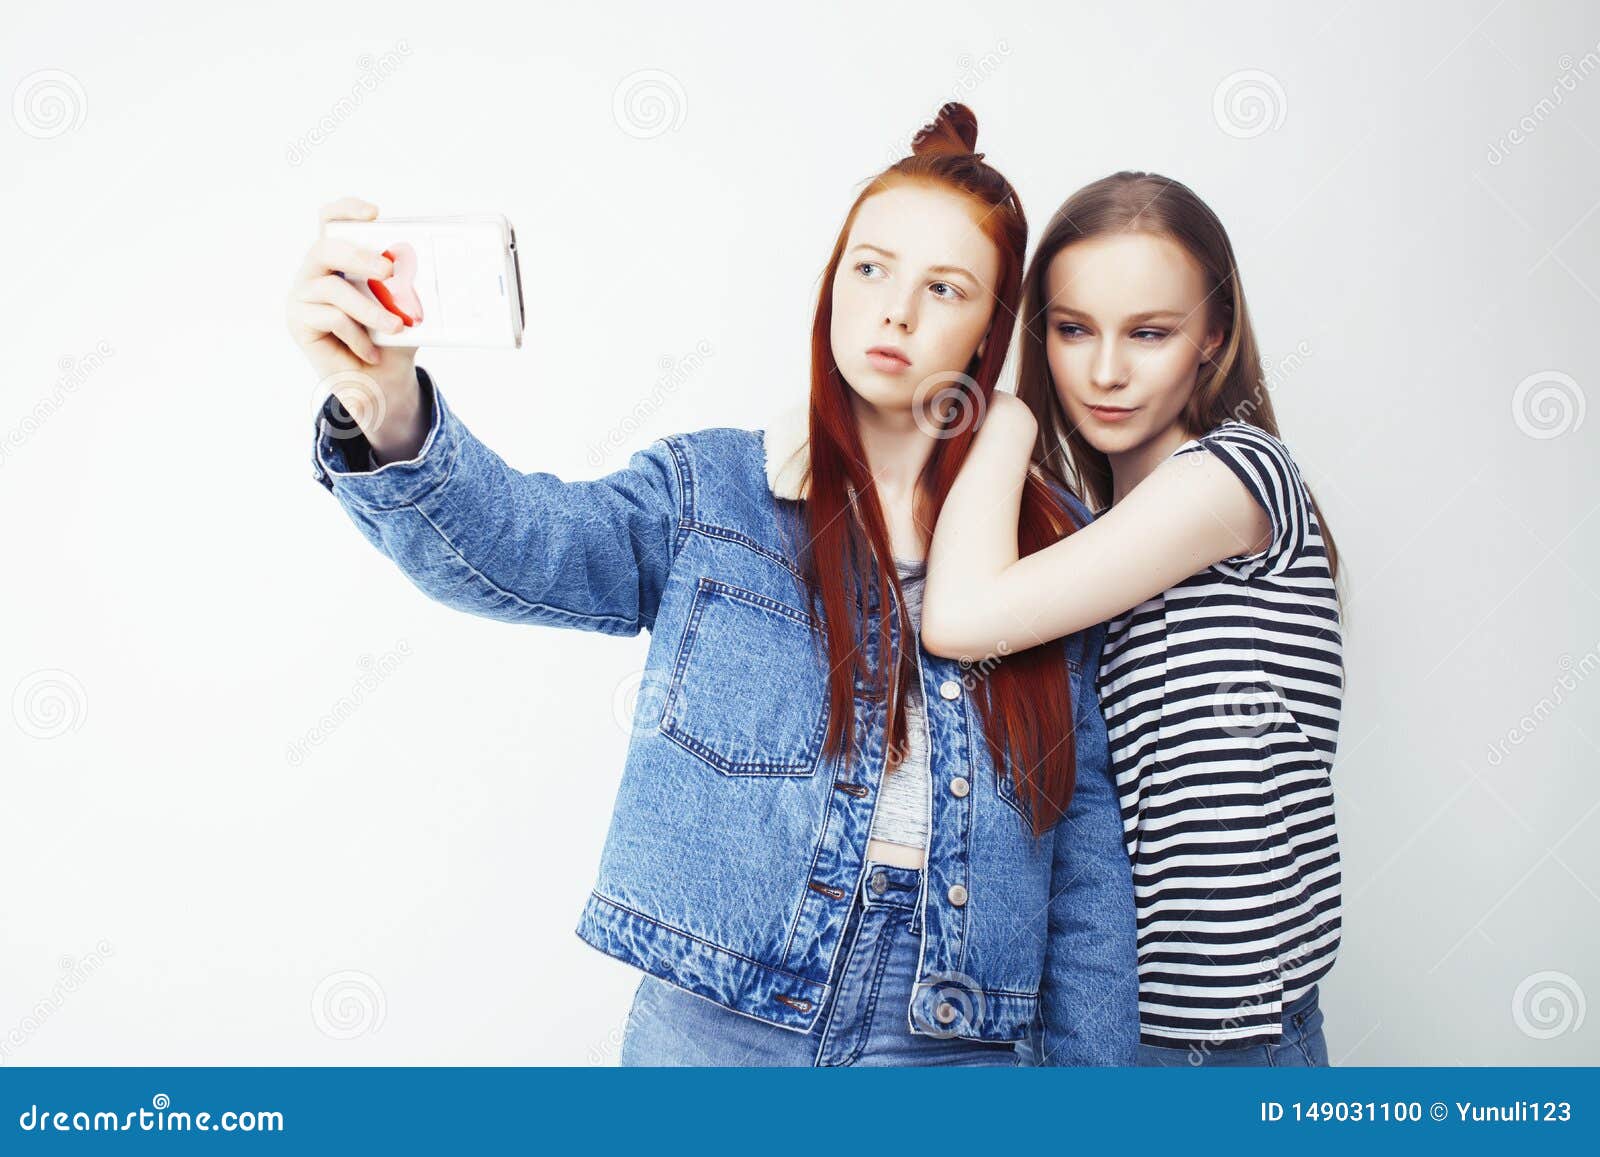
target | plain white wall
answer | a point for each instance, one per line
(183, 603)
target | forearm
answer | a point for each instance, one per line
(477, 535)
(981, 598)
(975, 541)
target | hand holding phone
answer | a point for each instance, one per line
(453, 281)
(335, 324)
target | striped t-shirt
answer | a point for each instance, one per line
(1222, 700)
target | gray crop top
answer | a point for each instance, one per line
(902, 812)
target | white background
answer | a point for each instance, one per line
(183, 602)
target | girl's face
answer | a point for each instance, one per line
(912, 296)
(1126, 329)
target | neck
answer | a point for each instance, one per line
(897, 450)
(1131, 467)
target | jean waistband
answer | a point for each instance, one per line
(889, 885)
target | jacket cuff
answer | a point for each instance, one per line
(342, 458)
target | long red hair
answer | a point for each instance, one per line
(1025, 699)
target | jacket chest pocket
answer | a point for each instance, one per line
(748, 693)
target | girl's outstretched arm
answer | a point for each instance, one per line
(475, 534)
(981, 599)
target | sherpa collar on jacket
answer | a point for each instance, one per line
(787, 441)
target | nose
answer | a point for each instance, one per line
(1108, 371)
(901, 311)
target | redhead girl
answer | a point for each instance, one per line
(1140, 386)
(821, 852)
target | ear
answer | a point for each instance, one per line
(1212, 344)
(981, 344)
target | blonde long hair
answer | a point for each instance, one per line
(1231, 385)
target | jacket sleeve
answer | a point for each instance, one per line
(473, 533)
(1090, 990)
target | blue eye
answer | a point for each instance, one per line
(954, 292)
(860, 265)
(1157, 334)
(1063, 327)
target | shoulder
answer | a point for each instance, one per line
(714, 441)
(1265, 467)
(1260, 460)
(1245, 434)
(1007, 410)
(763, 463)
(1249, 441)
(725, 474)
(716, 455)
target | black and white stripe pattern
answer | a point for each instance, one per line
(1222, 699)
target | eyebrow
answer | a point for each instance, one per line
(967, 273)
(1145, 316)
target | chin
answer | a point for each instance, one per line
(875, 389)
(1109, 440)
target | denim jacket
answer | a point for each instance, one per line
(736, 846)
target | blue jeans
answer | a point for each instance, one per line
(1302, 1044)
(863, 1021)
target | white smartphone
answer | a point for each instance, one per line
(457, 280)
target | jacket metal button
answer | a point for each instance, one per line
(946, 1012)
(880, 882)
(950, 689)
(959, 786)
(957, 894)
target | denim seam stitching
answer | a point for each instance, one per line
(805, 766)
(686, 496)
(621, 907)
(579, 616)
(816, 856)
(880, 963)
(720, 532)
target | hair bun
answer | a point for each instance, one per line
(954, 130)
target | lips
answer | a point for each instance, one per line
(399, 294)
(886, 351)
